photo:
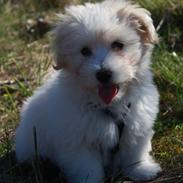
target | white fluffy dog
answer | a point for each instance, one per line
(97, 111)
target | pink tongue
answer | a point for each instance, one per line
(107, 93)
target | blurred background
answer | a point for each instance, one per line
(25, 58)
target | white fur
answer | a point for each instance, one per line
(70, 131)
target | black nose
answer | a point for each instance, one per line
(104, 75)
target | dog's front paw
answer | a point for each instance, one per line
(143, 171)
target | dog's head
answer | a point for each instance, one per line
(104, 45)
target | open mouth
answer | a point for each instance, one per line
(108, 92)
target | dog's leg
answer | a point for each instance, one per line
(135, 145)
(135, 159)
(82, 166)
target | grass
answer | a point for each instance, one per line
(25, 58)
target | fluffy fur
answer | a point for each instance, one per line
(66, 111)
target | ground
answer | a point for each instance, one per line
(25, 58)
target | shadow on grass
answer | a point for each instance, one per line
(42, 172)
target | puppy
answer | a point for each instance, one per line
(96, 113)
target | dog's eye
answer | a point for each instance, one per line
(117, 46)
(86, 52)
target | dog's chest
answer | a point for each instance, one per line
(110, 144)
(105, 127)
(105, 131)
(110, 136)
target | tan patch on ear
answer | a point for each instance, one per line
(141, 20)
(146, 31)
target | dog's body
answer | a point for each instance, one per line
(68, 111)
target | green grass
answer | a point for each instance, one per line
(25, 58)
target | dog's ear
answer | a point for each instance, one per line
(59, 33)
(140, 19)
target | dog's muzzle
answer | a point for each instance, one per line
(106, 89)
